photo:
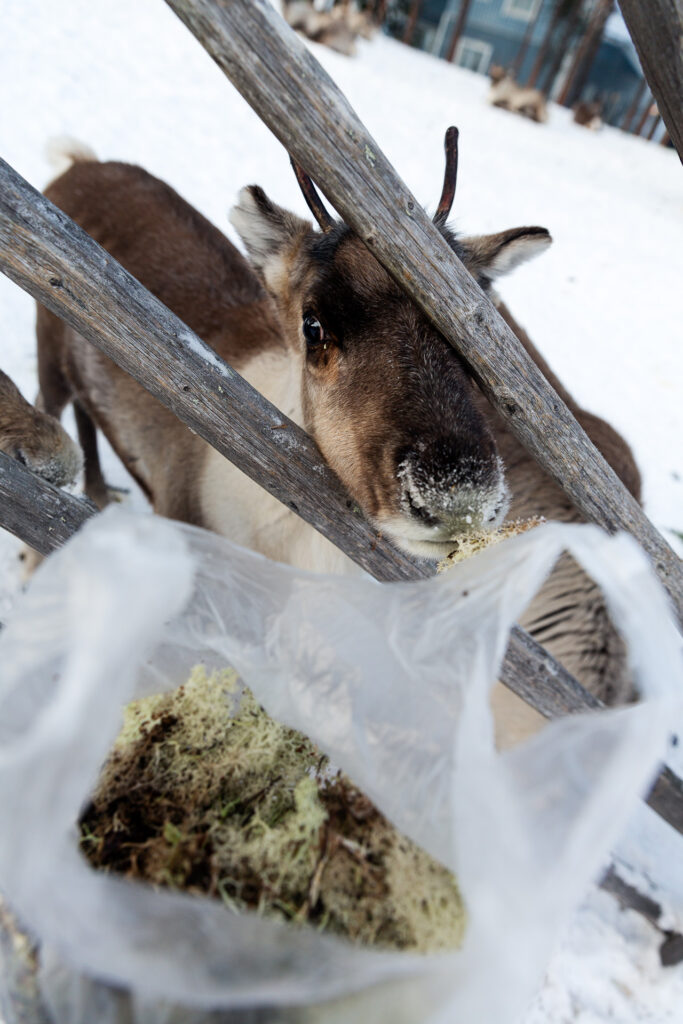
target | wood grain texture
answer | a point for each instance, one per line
(303, 107)
(37, 512)
(656, 29)
(534, 675)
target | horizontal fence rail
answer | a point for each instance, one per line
(296, 98)
(40, 514)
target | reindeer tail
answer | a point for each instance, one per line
(62, 151)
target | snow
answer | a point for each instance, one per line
(602, 304)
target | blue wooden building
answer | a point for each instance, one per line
(495, 30)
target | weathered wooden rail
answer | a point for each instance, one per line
(37, 512)
(656, 28)
(303, 107)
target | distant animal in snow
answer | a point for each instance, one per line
(337, 28)
(506, 93)
(589, 115)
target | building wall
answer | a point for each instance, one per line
(494, 35)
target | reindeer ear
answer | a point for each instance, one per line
(490, 256)
(265, 229)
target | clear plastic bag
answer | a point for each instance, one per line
(393, 682)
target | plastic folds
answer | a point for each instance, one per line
(393, 682)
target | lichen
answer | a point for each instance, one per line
(472, 543)
(205, 792)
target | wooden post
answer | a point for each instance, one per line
(647, 112)
(545, 45)
(303, 107)
(584, 69)
(655, 125)
(459, 28)
(409, 30)
(588, 48)
(380, 12)
(656, 29)
(526, 41)
(635, 103)
(571, 24)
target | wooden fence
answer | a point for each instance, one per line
(48, 255)
(303, 107)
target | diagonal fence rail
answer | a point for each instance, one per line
(302, 106)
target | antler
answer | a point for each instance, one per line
(313, 200)
(450, 177)
(315, 203)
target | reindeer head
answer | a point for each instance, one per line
(389, 402)
(36, 439)
(497, 73)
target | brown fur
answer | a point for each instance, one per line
(589, 115)
(196, 272)
(36, 439)
(386, 398)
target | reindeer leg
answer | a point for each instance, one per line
(95, 486)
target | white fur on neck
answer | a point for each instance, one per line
(236, 507)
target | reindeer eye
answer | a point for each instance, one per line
(313, 330)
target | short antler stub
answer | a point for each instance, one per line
(313, 200)
(450, 177)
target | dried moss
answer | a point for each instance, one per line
(204, 792)
(472, 543)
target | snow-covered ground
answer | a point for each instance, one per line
(602, 305)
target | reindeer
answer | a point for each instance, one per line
(589, 115)
(35, 439)
(506, 93)
(318, 326)
(336, 28)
